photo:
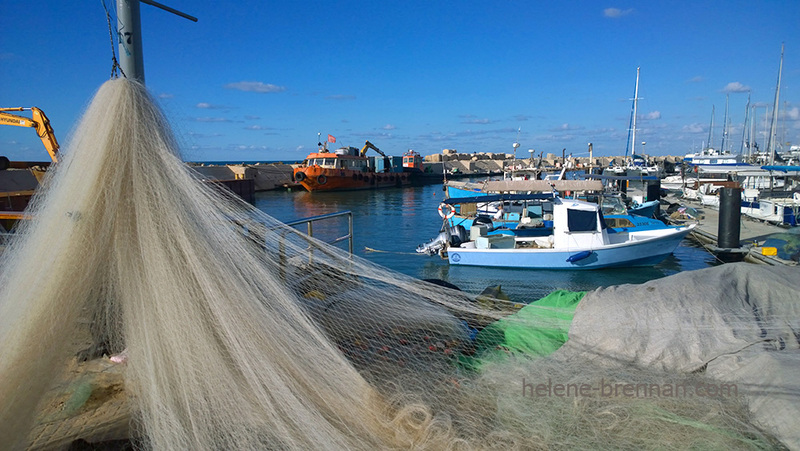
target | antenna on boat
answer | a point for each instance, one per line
(129, 35)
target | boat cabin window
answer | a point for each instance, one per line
(619, 222)
(323, 162)
(581, 220)
(356, 165)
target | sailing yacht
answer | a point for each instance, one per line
(710, 156)
(636, 164)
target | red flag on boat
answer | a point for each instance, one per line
(331, 139)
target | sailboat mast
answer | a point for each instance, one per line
(753, 133)
(746, 127)
(635, 105)
(725, 126)
(773, 127)
(711, 130)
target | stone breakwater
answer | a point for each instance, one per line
(271, 176)
(266, 177)
(487, 162)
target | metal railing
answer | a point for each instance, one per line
(310, 227)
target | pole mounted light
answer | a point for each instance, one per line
(129, 35)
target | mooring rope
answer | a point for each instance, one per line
(369, 249)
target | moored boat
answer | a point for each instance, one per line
(412, 161)
(347, 168)
(522, 216)
(580, 240)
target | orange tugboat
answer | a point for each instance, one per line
(347, 168)
(412, 161)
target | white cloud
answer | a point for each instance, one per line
(735, 86)
(616, 12)
(209, 106)
(696, 79)
(389, 127)
(477, 121)
(652, 115)
(255, 86)
(565, 127)
(792, 114)
(693, 128)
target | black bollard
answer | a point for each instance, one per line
(653, 190)
(730, 206)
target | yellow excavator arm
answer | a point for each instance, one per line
(37, 121)
(369, 145)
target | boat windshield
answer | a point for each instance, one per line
(613, 206)
(323, 162)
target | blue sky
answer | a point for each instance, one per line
(257, 80)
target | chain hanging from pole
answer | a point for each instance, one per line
(114, 63)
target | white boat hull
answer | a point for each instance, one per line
(645, 248)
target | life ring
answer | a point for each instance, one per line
(451, 210)
(299, 176)
(322, 180)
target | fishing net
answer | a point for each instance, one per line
(243, 333)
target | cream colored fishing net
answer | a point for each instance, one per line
(242, 333)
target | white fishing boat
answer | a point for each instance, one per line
(781, 211)
(580, 239)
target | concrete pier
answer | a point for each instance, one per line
(752, 235)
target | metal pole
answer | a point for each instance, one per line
(129, 34)
(350, 221)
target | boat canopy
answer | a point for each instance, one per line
(621, 177)
(542, 185)
(497, 198)
(782, 168)
(578, 224)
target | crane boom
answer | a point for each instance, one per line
(38, 121)
(369, 145)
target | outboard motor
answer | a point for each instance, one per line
(452, 235)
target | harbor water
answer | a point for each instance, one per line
(390, 223)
